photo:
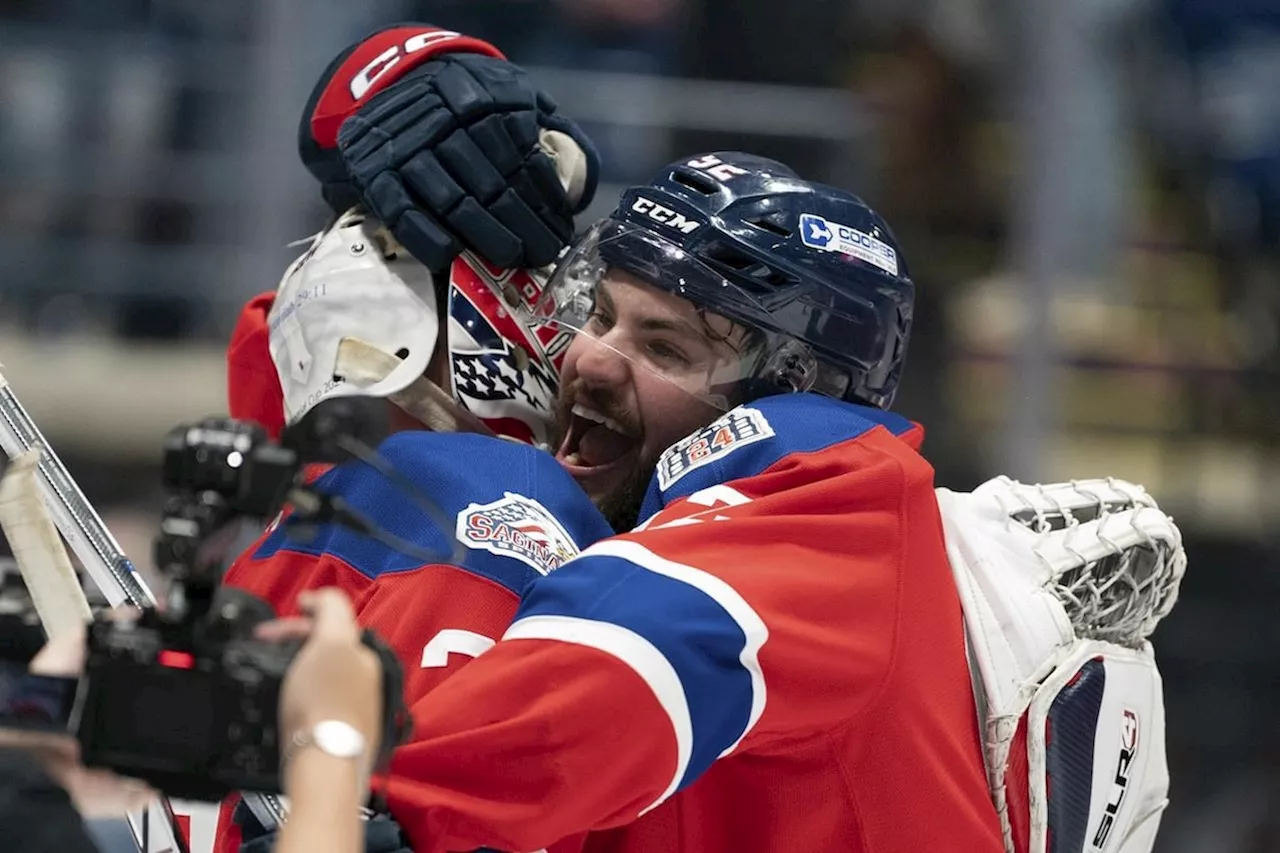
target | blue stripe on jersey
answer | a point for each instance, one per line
(456, 471)
(801, 423)
(697, 636)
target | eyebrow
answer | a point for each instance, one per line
(657, 324)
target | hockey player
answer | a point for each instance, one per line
(451, 148)
(488, 166)
(774, 659)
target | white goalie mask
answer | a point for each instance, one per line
(357, 315)
(353, 282)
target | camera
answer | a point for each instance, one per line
(183, 696)
(196, 721)
(214, 472)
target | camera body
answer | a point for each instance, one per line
(199, 719)
(195, 723)
(216, 471)
(183, 696)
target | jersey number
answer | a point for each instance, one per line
(435, 654)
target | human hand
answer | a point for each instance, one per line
(96, 792)
(334, 676)
(451, 146)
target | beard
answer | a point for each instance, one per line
(620, 505)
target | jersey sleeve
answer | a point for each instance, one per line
(443, 575)
(744, 617)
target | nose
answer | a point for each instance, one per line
(599, 365)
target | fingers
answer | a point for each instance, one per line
(63, 655)
(279, 630)
(49, 747)
(327, 615)
(332, 614)
(102, 794)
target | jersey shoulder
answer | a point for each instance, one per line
(757, 436)
(497, 508)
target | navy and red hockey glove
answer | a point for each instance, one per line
(450, 145)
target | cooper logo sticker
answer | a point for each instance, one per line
(817, 232)
(517, 527)
(736, 429)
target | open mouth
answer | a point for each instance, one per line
(595, 443)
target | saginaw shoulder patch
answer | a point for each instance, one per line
(736, 429)
(517, 527)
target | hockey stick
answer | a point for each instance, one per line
(38, 494)
(42, 560)
(77, 521)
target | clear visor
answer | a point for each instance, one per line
(647, 300)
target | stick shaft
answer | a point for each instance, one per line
(77, 521)
(112, 572)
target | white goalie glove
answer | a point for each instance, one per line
(1061, 587)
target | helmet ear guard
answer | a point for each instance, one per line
(790, 368)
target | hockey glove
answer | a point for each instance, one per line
(451, 146)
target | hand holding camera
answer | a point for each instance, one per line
(334, 678)
(314, 671)
(96, 792)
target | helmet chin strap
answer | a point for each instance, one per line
(363, 364)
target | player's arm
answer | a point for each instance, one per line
(435, 615)
(630, 670)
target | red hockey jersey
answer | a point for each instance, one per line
(506, 514)
(253, 386)
(774, 661)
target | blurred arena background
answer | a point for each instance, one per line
(1088, 193)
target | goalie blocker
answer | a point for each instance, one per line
(1061, 587)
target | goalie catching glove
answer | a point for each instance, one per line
(451, 146)
(1061, 587)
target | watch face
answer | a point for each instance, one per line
(338, 739)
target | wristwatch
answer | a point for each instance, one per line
(334, 737)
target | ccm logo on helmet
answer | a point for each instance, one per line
(389, 58)
(666, 216)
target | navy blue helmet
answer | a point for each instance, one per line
(811, 269)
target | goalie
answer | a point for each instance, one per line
(389, 305)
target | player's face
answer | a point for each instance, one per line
(630, 388)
